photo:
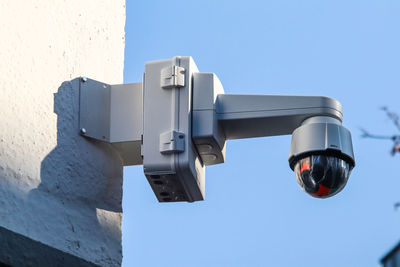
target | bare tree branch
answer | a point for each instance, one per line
(393, 116)
(395, 138)
(366, 134)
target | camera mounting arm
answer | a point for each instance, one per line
(247, 116)
(218, 117)
(178, 119)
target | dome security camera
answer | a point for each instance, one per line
(321, 155)
(177, 121)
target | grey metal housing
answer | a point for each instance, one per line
(170, 160)
(321, 135)
(177, 121)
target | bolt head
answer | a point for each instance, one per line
(83, 131)
(84, 79)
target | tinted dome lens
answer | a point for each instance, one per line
(322, 176)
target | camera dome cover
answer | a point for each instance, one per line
(322, 176)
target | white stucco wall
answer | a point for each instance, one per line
(56, 187)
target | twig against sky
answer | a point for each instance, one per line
(395, 138)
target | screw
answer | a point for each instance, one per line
(83, 131)
(84, 79)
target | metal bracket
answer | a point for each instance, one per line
(172, 142)
(172, 76)
(113, 114)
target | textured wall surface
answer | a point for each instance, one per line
(56, 187)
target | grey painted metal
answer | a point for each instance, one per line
(94, 109)
(126, 110)
(172, 142)
(129, 152)
(113, 114)
(208, 134)
(172, 76)
(187, 119)
(219, 117)
(321, 135)
(246, 116)
(177, 174)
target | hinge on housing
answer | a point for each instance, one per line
(172, 142)
(173, 76)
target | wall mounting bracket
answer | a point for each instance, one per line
(113, 114)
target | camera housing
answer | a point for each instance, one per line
(178, 120)
(321, 155)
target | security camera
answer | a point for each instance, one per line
(321, 155)
(178, 120)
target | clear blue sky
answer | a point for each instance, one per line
(255, 214)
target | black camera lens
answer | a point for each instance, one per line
(322, 176)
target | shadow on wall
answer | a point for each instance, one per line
(80, 169)
(79, 179)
